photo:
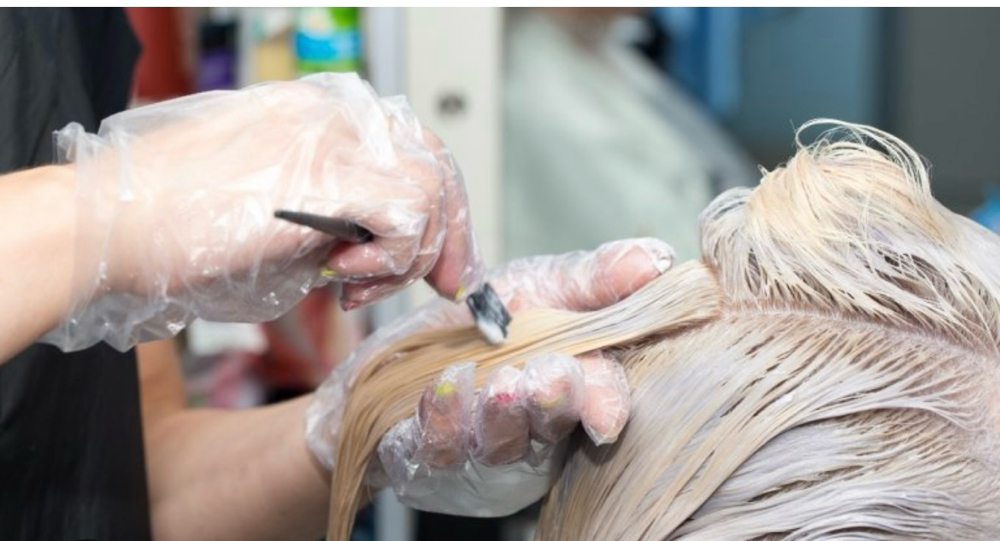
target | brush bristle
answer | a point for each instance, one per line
(490, 314)
(491, 331)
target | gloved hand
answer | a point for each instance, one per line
(176, 202)
(492, 452)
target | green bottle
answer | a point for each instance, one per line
(327, 39)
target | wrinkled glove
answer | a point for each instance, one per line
(176, 201)
(493, 451)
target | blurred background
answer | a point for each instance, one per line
(575, 126)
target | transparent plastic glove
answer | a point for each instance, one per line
(495, 450)
(176, 204)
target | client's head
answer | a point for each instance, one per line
(846, 388)
(826, 371)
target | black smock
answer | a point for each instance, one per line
(71, 454)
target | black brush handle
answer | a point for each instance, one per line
(484, 304)
(340, 229)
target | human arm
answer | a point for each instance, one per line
(225, 474)
(172, 212)
(36, 246)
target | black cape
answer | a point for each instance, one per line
(71, 454)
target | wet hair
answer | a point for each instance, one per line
(825, 371)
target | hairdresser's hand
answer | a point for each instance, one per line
(492, 451)
(177, 200)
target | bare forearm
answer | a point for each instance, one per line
(243, 475)
(37, 221)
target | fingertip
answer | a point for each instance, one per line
(501, 427)
(443, 415)
(607, 398)
(457, 273)
(625, 266)
(396, 450)
(644, 257)
(459, 269)
(552, 389)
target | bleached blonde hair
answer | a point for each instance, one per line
(846, 391)
(826, 371)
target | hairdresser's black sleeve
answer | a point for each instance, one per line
(71, 454)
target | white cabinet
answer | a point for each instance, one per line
(447, 62)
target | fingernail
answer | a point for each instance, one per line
(557, 400)
(600, 439)
(444, 389)
(662, 263)
(502, 398)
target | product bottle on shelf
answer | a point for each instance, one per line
(327, 39)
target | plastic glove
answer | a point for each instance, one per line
(495, 451)
(176, 203)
